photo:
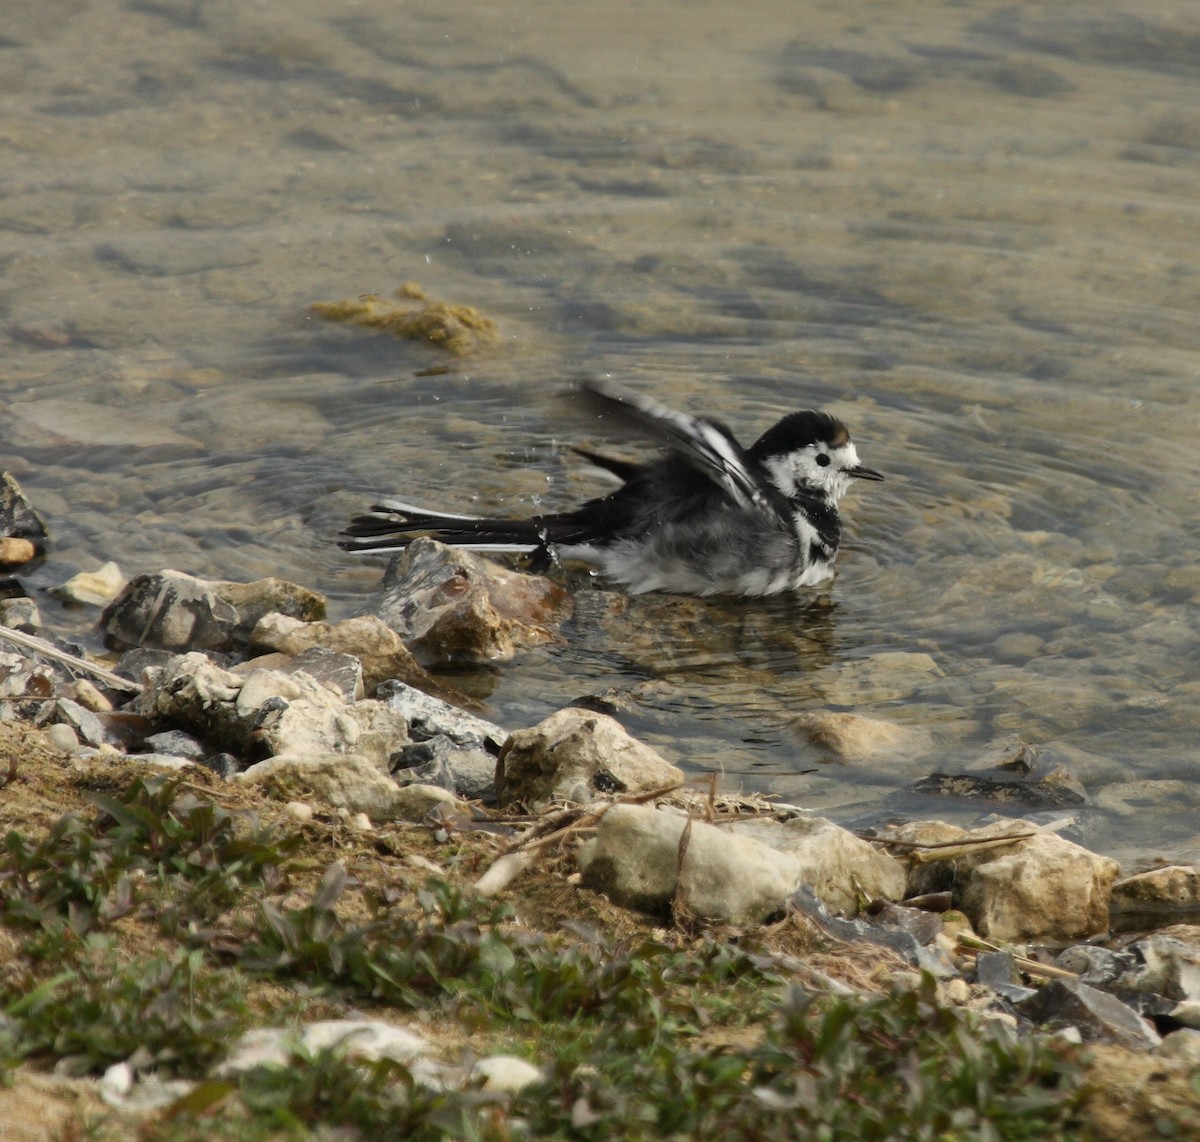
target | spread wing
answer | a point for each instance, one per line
(708, 446)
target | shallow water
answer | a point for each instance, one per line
(968, 230)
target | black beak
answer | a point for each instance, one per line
(864, 473)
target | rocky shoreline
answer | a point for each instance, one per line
(342, 722)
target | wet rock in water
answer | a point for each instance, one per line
(635, 860)
(577, 755)
(853, 737)
(343, 781)
(1098, 1016)
(456, 606)
(1027, 794)
(22, 532)
(255, 600)
(266, 713)
(92, 588)
(174, 611)
(379, 648)
(886, 677)
(1159, 892)
(842, 870)
(171, 611)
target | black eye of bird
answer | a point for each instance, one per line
(822, 459)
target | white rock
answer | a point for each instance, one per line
(577, 755)
(839, 867)
(505, 1073)
(93, 588)
(369, 1039)
(635, 860)
(63, 737)
(300, 811)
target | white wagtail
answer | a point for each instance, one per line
(708, 517)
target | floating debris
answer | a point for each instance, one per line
(459, 329)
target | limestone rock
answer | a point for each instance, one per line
(634, 859)
(341, 673)
(575, 755)
(360, 1038)
(885, 677)
(1160, 891)
(340, 780)
(1042, 888)
(852, 737)
(454, 605)
(840, 868)
(267, 713)
(379, 648)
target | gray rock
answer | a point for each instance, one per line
(177, 744)
(430, 717)
(577, 755)
(63, 737)
(19, 523)
(456, 606)
(1169, 963)
(1095, 966)
(20, 614)
(174, 611)
(86, 726)
(440, 761)
(1098, 1016)
(635, 860)
(171, 611)
(877, 930)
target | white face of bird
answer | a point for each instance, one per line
(819, 467)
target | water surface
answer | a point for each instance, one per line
(969, 230)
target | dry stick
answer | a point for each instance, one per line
(49, 650)
(679, 908)
(972, 945)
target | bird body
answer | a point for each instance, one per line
(708, 517)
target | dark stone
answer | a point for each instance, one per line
(1098, 1016)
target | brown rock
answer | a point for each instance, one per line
(452, 604)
